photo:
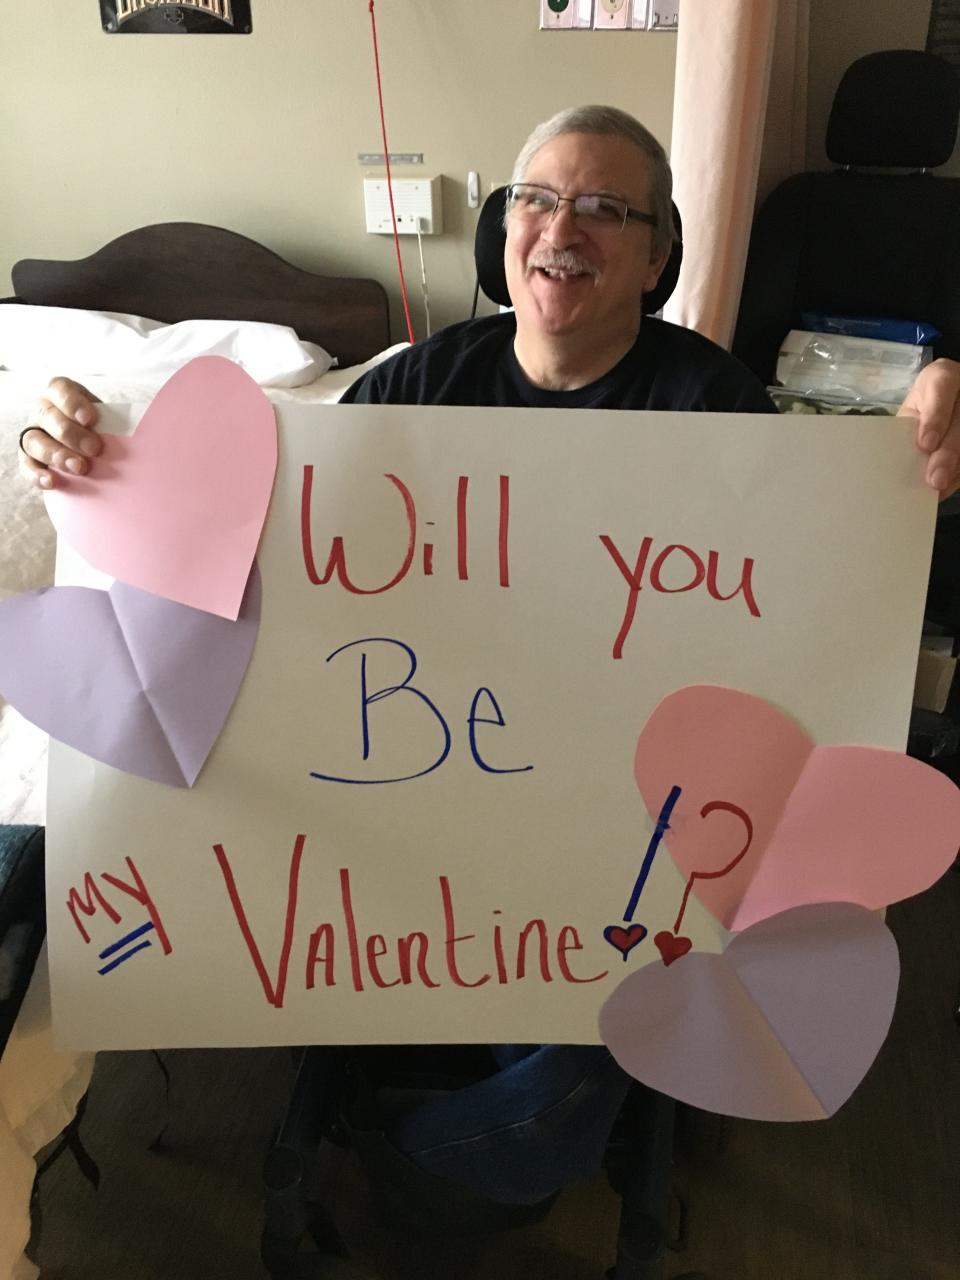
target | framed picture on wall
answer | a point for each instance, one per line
(175, 17)
(558, 15)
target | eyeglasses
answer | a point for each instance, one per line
(530, 201)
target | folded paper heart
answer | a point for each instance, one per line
(829, 823)
(782, 1026)
(125, 676)
(178, 507)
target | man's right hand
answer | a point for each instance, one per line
(60, 434)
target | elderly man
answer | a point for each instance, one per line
(588, 231)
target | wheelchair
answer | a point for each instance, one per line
(337, 1099)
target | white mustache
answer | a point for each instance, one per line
(565, 260)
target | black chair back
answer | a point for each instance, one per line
(864, 243)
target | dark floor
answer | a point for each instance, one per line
(873, 1194)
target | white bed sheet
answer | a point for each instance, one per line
(27, 548)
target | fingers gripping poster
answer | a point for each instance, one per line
(516, 708)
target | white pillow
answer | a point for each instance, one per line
(44, 341)
(330, 388)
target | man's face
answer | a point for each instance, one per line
(611, 268)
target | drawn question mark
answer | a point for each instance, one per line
(625, 937)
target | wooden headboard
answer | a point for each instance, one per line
(188, 271)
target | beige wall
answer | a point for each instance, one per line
(842, 31)
(260, 133)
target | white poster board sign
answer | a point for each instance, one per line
(421, 814)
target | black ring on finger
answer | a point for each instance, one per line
(20, 441)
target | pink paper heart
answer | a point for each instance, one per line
(783, 1026)
(178, 507)
(829, 824)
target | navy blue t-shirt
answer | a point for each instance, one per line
(473, 363)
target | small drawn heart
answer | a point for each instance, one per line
(625, 938)
(178, 507)
(671, 947)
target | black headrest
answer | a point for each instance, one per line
(489, 244)
(898, 108)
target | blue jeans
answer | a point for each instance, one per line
(541, 1121)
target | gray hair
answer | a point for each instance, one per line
(611, 122)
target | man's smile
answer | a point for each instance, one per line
(562, 266)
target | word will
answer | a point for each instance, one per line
(336, 565)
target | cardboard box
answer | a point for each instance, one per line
(935, 680)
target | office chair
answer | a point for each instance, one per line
(330, 1103)
(878, 236)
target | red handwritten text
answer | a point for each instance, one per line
(336, 565)
(90, 898)
(378, 961)
(693, 568)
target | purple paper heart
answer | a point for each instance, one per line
(783, 1026)
(134, 680)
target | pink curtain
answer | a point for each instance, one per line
(739, 127)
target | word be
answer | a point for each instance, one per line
(367, 699)
(337, 559)
(699, 573)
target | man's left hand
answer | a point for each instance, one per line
(934, 399)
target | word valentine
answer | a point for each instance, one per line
(337, 950)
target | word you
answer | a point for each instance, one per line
(700, 573)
